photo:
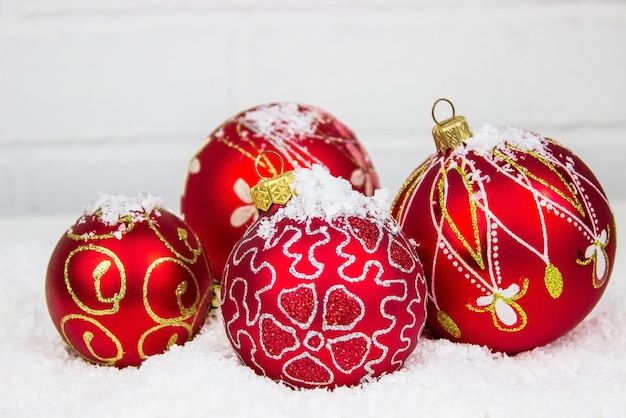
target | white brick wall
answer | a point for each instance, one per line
(116, 95)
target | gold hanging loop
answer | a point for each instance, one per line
(262, 154)
(443, 99)
(451, 132)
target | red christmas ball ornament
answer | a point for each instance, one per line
(126, 281)
(515, 233)
(324, 291)
(216, 200)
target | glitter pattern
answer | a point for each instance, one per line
(504, 221)
(309, 370)
(311, 299)
(216, 199)
(448, 324)
(96, 284)
(366, 232)
(400, 256)
(349, 352)
(276, 339)
(299, 304)
(342, 309)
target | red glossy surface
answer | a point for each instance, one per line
(118, 301)
(322, 304)
(517, 249)
(216, 201)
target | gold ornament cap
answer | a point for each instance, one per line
(450, 133)
(270, 190)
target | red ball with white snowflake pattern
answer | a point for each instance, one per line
(216, 200)
(515, 233)
(324, 291)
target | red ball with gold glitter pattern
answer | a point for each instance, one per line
(126, 281)
(515, 233)
(216, 200)
(325, 291)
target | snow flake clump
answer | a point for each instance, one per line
(489, 138)
(111, 208)
(281, 121)
(317, 194)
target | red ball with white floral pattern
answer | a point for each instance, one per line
(216, 200)
(323, 295)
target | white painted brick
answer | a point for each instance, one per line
(46, 7)
(7, 191)
(394, 157)
(503, 66)
(76, 174)
(7, 13)
(42, 7)
(55, 179)
(457, 4)
(108, 82)
(116, 96)
(14, 182)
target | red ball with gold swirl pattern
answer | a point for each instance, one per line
(126, 281)
(216, 201)
(515, 233)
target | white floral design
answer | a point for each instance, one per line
(247, 212)
(364, 176)
(596, 253)
(506, 313)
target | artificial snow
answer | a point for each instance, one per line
(579, 375)
(281, 121)
(110, 208)
(318, 194)
(488, 138)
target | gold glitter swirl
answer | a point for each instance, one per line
(477, 253)
(126, 220)
(185, 312)
(181, 289)
(448, 324)
(172, 339)
(97, 273)
(88, 337)
(184, 237)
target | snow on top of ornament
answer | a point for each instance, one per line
(281, 120)
(110, 208)
(317, 194)
(488, 138)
